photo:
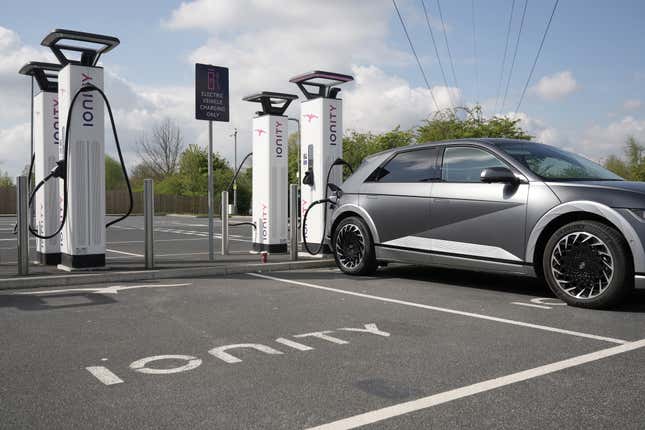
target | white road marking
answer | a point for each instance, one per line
(531, 305)
(293, 344)
(439, 309)
(102, 290)
(548, 301)
(480, 387)
(220, 351)
(324, 335)
(104, 375)
(124, 253)
(369, 328)
(140, 365)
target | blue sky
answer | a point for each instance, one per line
(592, 65)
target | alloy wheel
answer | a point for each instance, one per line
(350, 246)
(582, 265)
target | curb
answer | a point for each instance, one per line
(147, 275)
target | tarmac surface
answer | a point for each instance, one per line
(179, 241)
(409, 348)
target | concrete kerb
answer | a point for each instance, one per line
(148, 275)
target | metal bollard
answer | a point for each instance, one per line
(149, 216)
(22, 215)
(224, 222)
(293, 221)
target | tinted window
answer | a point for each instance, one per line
(465, 164)
(408, 166)
(555, 164)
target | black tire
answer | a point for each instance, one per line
(588, 264)
(352, 256)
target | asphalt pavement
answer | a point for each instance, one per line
(409, 348)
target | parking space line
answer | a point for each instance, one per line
(124, 253)
(480, 387)
(531, 305)
(439, 309)
(104, 375)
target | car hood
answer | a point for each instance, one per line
(617, 194)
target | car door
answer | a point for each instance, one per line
(396, 195)
(472, 218)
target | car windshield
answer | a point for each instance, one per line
(551, 163)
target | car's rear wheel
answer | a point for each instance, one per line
(353, 247)
(587, 264)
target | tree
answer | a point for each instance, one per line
(161, 152)
(357, 146)
(5, 180)
(293, 160)
(113, 174)
(633, 168)
(465, 122)
(140, 172)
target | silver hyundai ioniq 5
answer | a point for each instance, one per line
(498, 205)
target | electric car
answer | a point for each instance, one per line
(497, 205)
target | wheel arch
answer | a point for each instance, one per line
(577, 211)
(348, 210)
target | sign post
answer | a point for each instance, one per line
(211, 104)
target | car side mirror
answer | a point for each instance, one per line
(498, 174)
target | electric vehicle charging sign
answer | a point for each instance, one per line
(211, 93)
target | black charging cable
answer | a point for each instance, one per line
(60, 171)
(325, 200)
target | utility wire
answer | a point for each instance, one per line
(501, 75)
(546, 30)
(517, 44)
(445, 36)
(425, 78)
(472, 3)
(436, 51)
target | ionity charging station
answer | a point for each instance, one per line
(46, 138)
(82, 238)
(321, 145)
(270, 171)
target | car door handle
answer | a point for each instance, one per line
(370, 196)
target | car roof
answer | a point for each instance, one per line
(485, 140)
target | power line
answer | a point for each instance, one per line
(436, 51)
(546, 30)
(445, 36)
(501, 75)
(425, 78)
(517, 44)
(472, 3)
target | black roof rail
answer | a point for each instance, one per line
(89, 56)
(45, 74)
(325, 82)
(272, 103)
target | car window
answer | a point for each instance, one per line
(465, 164)
(409, 166)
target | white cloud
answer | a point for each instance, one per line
(556, 86)
(378, 102)
(610, 140)
(632, 104)
(542, 132)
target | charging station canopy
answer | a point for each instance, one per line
(211, 93)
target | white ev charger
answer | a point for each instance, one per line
(270, 171)
(45, 126)
(81, 162)
(321, 147)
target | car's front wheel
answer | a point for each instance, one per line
(353, 247)
(587, 264)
